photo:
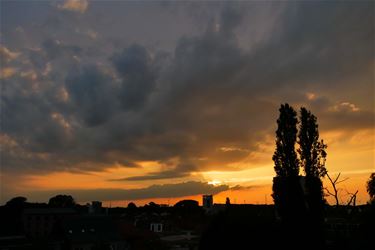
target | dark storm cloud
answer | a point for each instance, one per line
(181, 170)
(154, 191)
(134, 65)
(93, 95)
(54, 49)
(326, 48)
(92, 110)
(155, 176)
(231, 18)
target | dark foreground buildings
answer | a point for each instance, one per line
(183, 226)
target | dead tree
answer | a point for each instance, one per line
(336, 190)
(352, 199)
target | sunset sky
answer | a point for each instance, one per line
(145, 101)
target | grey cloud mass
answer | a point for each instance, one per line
(83, 103)
(135, 66)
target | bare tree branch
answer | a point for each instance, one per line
(353, 198)
(333, 183)
(338, 176)
(342, 180)
(336, 190)
(335, 194)
(328, 192)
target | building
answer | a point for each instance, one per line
(95, 207)
(40, 223)
(86, 232)
(207, 201)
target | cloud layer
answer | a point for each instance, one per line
(71, 101)
(154, 191)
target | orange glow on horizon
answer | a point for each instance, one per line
(258, 195)
(352, 156)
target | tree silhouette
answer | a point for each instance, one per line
(188, 204)
(287, 190)
(285, 157)
(299, 200)
(132, 208)
(353, 198)
(11, 216)
(334, 182)
(132, 205)
(311, 150)
(16, 202)
(152, 207)
(312, 154)
(62, 200)
(371, 187)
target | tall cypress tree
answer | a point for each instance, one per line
(299, 200)
(285, 157)
(311, 150)
(312, 154)
(287, 190)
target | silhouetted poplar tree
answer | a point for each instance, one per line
(287, 190)
(285, 157)
(311, 150)
(299, 199)
(312, 156)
